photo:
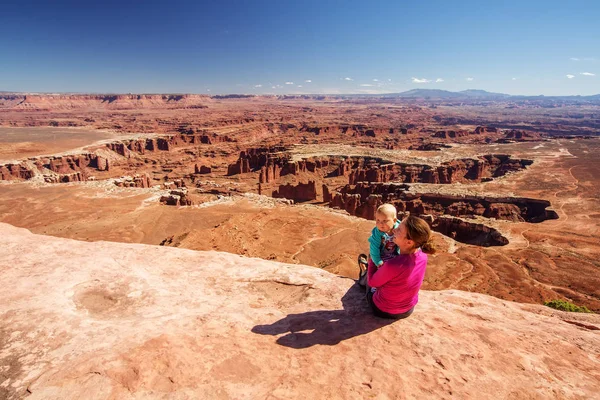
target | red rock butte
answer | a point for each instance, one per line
(290, 185)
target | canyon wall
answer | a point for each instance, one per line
(103, 101)
(363, 199)
(275, 162)
(72, 168)
(444, 213)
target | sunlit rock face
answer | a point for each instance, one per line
(120, 320)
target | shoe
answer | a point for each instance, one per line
(363, 265)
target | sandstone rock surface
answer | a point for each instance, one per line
(108, 320)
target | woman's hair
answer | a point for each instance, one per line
(418, 231)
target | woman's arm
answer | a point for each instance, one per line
(380, 276)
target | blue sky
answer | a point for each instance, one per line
(516, 47)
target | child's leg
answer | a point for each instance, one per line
(369, 289)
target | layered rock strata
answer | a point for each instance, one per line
(474, 170)
(300, 192)
(275, 162)
(15, 172)
(59, 169)
(450, 134)
(109, 101)
(354, 130)
(202, 169)
(363, 199)
(429, 147)
(137, 181)
(177, 197)
(253, 159)
(468, 232)
(70, 168)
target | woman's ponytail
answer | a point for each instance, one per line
(428, 247)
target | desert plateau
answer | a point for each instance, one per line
(195, 246)
(298, 200)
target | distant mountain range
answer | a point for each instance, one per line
(446, 94)
(474, 94)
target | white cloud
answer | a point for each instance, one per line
(469, 79)
(366, 85)
(570, 76)
(375, 80)
(299, 85)
(208, 90)
(257, 86)
(514, 79)
(348, 79)
(420, 80)
(371, 91)
(587, 74)
(289, 83)
(308, 81)
(574, 59)
(389, 80)
(438, 80)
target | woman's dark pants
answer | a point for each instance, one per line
(382, 314)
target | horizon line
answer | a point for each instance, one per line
(7, 92)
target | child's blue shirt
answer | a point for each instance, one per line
(382, 246)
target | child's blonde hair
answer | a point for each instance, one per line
(388, 210)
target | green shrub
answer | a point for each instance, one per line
(564, 305)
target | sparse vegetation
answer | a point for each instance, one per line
(564, 305)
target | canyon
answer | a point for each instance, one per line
(118, 211)
(482, 187)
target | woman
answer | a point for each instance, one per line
(398, 280)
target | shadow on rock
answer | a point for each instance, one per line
(327, 327)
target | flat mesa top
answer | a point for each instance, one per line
(431, 158)
(21, 143)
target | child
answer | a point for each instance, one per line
(381, 242)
